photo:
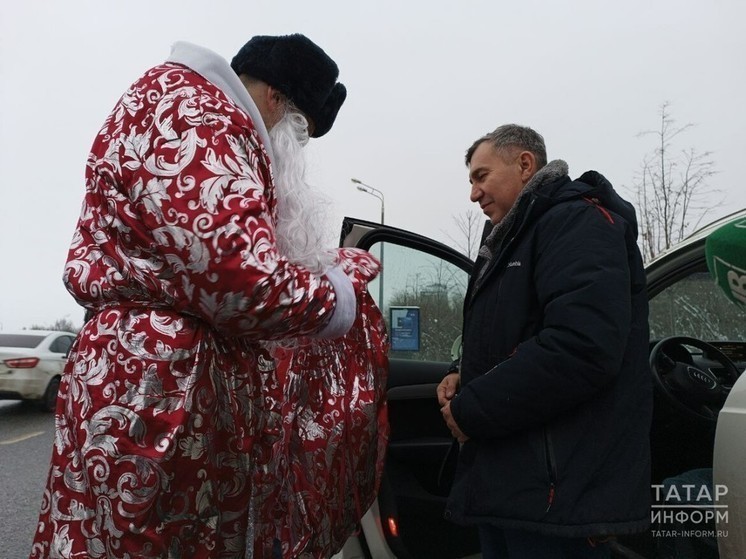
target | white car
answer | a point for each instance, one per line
(694, 327)
(31, 364)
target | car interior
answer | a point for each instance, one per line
(697, 352)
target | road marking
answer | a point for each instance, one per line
(23, 437)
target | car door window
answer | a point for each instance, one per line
(61, 345)
(421, 296)
(695, 306)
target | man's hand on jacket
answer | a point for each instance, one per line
(451, 423)
(447, 388)
(446, 391)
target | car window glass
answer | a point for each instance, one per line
(60, 344)
(695, 306)
(422, 299)
(20, 340)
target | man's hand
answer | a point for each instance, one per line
(447, 388)
(446, 391)
(451, 423)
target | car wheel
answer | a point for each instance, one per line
(49, 400)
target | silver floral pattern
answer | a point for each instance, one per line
(171, 408)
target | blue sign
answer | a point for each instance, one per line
(405, 328)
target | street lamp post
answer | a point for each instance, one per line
(362, 187)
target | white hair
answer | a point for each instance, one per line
(302, 210)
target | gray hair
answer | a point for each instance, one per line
(514, 136)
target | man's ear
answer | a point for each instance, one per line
(527, 161)
(275, 100)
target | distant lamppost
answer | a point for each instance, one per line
(362, 187)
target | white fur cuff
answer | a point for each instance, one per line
(346, 308)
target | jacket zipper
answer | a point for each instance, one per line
(551, 468)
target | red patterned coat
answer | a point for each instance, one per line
(174, 421)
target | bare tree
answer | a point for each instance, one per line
(438, 291)
(470, 225)
(672, 193)
(61, 324)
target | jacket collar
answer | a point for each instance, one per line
(550, 173)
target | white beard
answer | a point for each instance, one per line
(302, 217)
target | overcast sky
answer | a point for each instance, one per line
(424, 79)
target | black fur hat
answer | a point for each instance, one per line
(300, 69)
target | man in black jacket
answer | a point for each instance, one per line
(553, 400)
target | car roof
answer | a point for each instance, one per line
(698, 236)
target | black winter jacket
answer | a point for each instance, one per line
(556, 392)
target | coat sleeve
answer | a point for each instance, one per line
(582, 281)
(202, 202)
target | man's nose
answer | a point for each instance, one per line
(475, 194)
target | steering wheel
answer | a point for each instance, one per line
(699, 393)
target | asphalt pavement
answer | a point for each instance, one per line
(26, 437)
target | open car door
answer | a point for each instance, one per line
(420, 292)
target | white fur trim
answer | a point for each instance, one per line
(346, 305)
